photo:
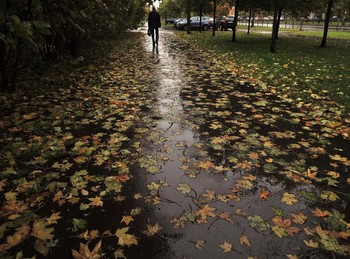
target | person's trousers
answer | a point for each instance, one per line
(155, 36)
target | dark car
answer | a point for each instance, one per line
(195, 23)
(226, 22)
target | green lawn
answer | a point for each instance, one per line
(299, 67)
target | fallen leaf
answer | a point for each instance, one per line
(299, 218)
(227, 247)
(125, 239)
(127, 219)
(184, 188)
(311, 243)
(319, 213)
(200, 244)
(226, 216)
(85, 253)
(205, 212)
(289, 198)
(264, 194)
(152, 230)
(244, 240)
(41, 231)
(96, 202)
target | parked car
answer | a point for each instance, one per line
(226, 22)
(177, 21)
(195, 23)
(169, 20)
(335, 18)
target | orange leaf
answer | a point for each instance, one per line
(264, 194)
(96, 202)
(205, 212)
(319, 213)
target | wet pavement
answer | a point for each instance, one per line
(169, 154)
(195, 167)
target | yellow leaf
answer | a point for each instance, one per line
(125, 239)
(41, 231)
(311, 244)
(127, 219)
(244, 240)
(96, 202)
(289, 198)
(292, 256)
(53, 218)
(200, 244)
(227, 247)
(328, 195)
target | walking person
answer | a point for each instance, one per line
(154, 25)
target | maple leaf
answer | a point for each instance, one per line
(127, 219)
(125, 239)
(205, 212)
(285, 224)
(264, 194)
(97, 201)
(41, 231)
(2, 184)
(226, 216)
(209, 195)
(280, 232)
(289, 198)
(329, 195)
(205, 165)
(299, 218)
(85, 253)
(20, 235)
(152, 230)
(200, 244)
(321, 214)
(184, 188)
(53, 218)
(244, 240)
(227, 247)
(311, 243)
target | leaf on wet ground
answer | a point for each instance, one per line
(184, 188)
(289, 198)
(244, 240)
(200, 244)
(226, 247)
(204, 213)
(124, 238)
(152, 229)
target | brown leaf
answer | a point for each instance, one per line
(97, 201)
(85, 253)
(205, 212)
(226, 216)
(244, 240)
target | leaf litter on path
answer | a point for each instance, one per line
(247, 172)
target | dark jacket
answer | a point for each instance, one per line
(154, 20)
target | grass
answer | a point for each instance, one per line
(299, 66)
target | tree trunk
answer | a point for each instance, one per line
(200, 17)
(278, 21)
(274, 32)
(250, 17)
(214, 22)
(234, 29)
(326, 24)
(188, 17)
